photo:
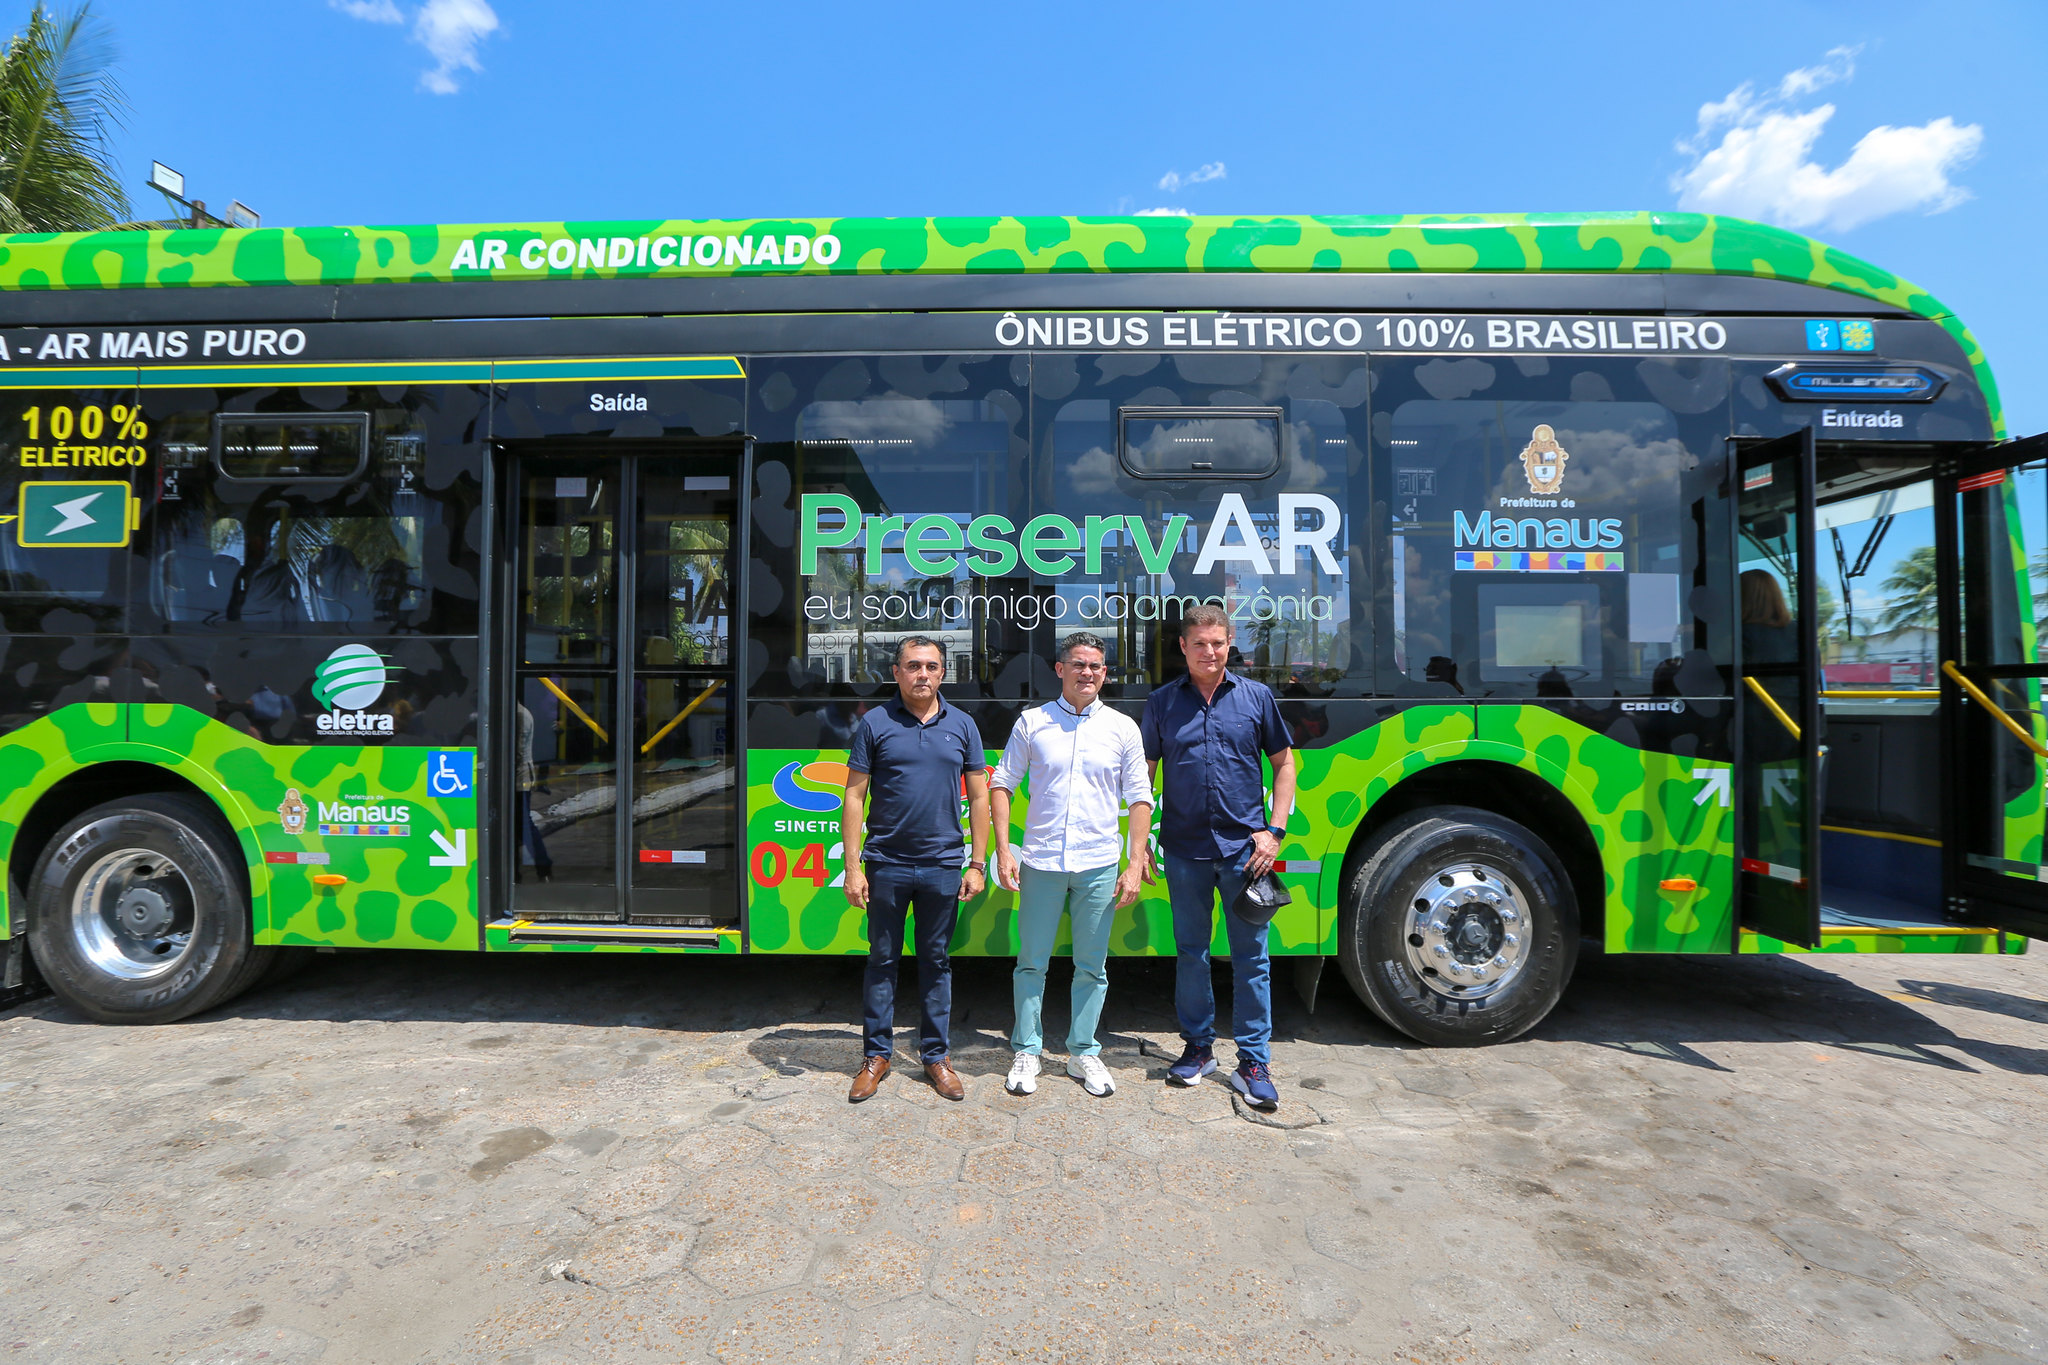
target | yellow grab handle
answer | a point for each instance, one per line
(1768, 700)
(568, 701)
(1948, 667)
(659, 735)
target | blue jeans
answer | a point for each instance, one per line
(932, 895)
(1193, 884)
(1042, 897)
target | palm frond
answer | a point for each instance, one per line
(59, 101)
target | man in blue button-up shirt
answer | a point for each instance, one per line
(1204, 735)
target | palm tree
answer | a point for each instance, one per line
(58, 101)
(1910, 596)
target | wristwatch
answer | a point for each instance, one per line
(982, 868)
(1277, 831)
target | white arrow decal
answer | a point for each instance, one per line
(1779, 787)
(74, 513)
(451, 855)
(1714, 782)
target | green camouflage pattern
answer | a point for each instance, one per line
(1653, 817)
(1641, 808)
(1894, 941)
(1676, 243)
(792, 912)
(392, 898)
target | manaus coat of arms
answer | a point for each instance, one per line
(1543, 461)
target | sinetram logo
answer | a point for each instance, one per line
(347, 683)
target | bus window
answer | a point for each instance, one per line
(308, 522)
(889, 467)
(1264, 530)
(1540, 547)
(60, 570)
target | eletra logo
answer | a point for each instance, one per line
(348, 682)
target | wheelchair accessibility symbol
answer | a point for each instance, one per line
(451, 773)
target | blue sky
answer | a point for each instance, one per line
(383, 111)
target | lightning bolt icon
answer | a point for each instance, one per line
(73, 513)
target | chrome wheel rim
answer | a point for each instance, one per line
(1467, 931)
(132, 915)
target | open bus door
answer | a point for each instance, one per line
(1777, 691)
(1991, 528)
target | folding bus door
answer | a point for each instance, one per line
(1777, 692)
(1992, 530)
(627, 802)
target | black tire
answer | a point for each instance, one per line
(139, 912)
(1444, 897)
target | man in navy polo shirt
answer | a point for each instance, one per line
(1208, 731)
(913, 754)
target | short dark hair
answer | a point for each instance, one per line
(918, 642)
(1082, 639)
(1203, 615)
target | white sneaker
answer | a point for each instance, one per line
(1092, 1074)
(1023, 1077)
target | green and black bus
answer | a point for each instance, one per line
(1661, 580)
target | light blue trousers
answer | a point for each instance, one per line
(1042, 897)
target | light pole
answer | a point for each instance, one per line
(171, 185)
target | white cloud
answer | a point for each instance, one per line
(1752, 157)
(369, 11)
(1173, 182)
(451, 30)
(1165, 213)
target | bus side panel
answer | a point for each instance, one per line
(1656, 817)
(1340, 782)
(34, 758)
(796, 876)
(1933, 940)
(366, 814)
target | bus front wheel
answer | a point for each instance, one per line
(139, 912)
(1460, 927)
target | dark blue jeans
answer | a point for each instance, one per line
(931, 895)
(1195, 885)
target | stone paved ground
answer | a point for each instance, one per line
(401, 1158)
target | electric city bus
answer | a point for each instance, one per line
(1658, 580)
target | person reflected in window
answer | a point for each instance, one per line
(526, 777)
(1768, 633)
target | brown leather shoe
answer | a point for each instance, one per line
(943, 1079)
(867, 1078)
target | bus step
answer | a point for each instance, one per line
(544, 931)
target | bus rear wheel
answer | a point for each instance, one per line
(1460, 928)
(139, 912)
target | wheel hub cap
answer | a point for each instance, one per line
(1467, 930)
(132, 915)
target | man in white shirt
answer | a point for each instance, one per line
(1085, 762)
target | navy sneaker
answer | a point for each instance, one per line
(1255, 1083)
(1195, 1063)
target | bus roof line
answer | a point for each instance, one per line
(1586, 243)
